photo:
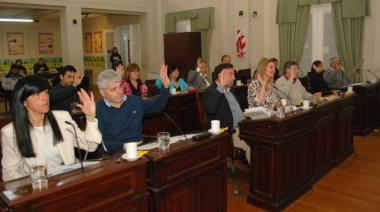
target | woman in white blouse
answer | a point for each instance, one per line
(38, 136)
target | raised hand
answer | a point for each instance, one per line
(164, 76)
(87, 103)
(120, 69)
(262, 81)
(77, 79)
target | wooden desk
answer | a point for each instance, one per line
(182, 109)
(289, 155)
(110, 186)
(367, 108)
(192, 176)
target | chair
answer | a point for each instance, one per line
(204, 126)
(5, 97)
(306, 82)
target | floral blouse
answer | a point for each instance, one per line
(270, 97)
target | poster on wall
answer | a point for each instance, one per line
(15, 43)
(241, 48)
(98, 42)
(46, 43)
(88, 42)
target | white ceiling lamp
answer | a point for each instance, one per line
(16, 20)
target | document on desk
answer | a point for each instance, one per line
(173, 140)
(257, 113)
(68, 168)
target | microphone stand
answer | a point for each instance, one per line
(175, 124)
(373, 74)
(287, 96)
(76, 139)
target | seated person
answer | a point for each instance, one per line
(21, 67)
(132, 83)
(198, 78)
(39, 136)
(175, 82)
(15, 73)
(260, 91)
(334, 75)
(40, 67)
(65, 93)
(221, 104)
(317, 83)
(288, 85)
(120, 116)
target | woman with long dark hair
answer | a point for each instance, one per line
(39, 136)
(175, 81)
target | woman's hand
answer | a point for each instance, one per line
(164, 76)
(262, 81)
(87, 104)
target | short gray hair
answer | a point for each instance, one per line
(107, 76)
(333, 60)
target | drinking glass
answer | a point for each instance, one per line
(163, 139)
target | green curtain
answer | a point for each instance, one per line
(287, 9)
(349, 40)
(292, 36)
(202, 20)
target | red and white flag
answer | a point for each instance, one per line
(240, 44)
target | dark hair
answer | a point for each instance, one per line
(287, 65)
(18, 60)
(171, 68)
(65, 69)
(24, 88)
(222, 58)
(315, 63)
(219, 68)
(10, 72)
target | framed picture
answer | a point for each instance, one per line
(46, 43)
(88, 42)
(98, 42)
(15, 43)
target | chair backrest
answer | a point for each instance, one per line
(306, 82)
(201, 112)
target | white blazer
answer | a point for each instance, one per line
(15, 166)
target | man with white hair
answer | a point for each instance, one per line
(334, 75)
(119, 116)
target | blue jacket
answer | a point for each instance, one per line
(125, 124)
(181, 82)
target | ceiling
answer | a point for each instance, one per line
(36, 14)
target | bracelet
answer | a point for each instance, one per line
(90, 116)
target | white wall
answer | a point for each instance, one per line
(261, 31)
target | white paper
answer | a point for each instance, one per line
(68, 168)
(173, 140)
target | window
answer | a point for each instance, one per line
(183, 25)
(320, 39)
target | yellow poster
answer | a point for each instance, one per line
(98, 42)
(46, 43)
(15, 43)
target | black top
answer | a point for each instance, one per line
(135, 91)
(40, 68)
(62, 97)
(317, 83)
(216, 106)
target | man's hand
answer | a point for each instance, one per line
(164, 76)
(120, 70)
(77, 79)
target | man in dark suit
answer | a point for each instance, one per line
(221, 104)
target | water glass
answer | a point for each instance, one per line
(163, 139)
(38, 176)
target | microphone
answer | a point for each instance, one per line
(175, 124)
(76, 139)
(287, 96)
(373, 74)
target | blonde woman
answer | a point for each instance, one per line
(260, 91)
